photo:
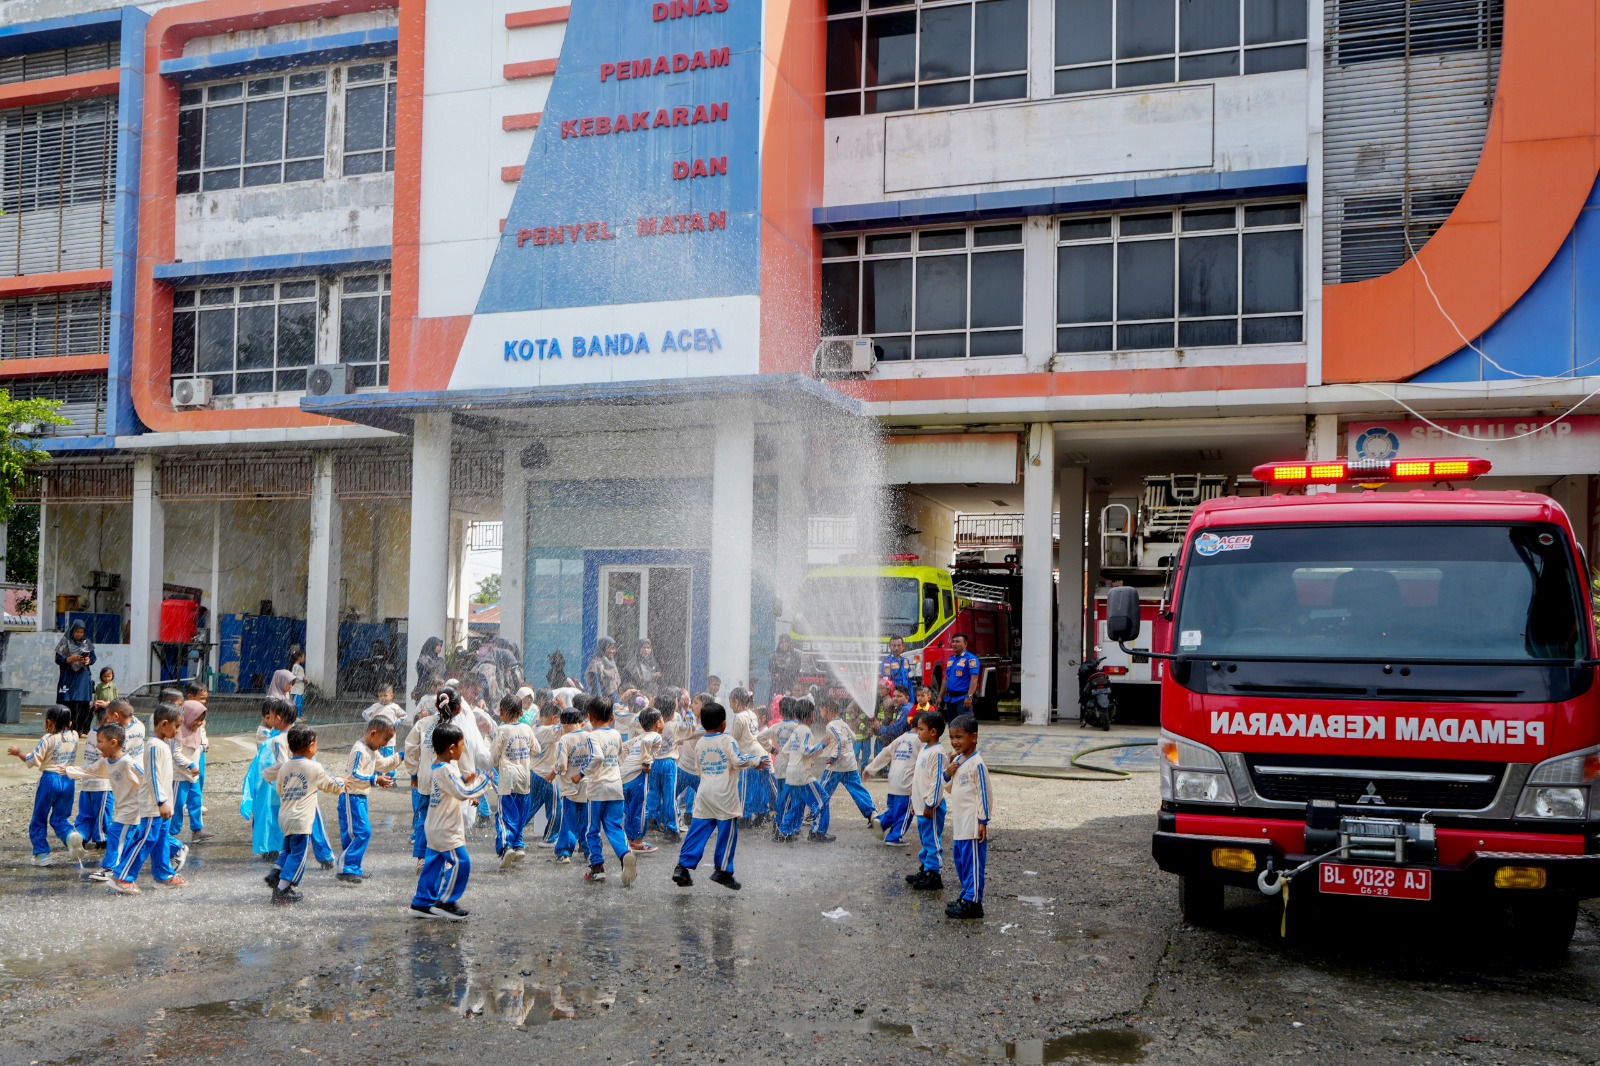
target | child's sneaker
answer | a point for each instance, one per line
(680, 877)
(74, 844)
(912, 879)
(101, 874)
(630, 869)
(326, 864)
(173, 882)
(820, 838)
(455, 910)
(893, 843)
(43, 860)
(546, 844)
(562, 860)
(724, 878)
(125, 888)
(275, 875)
(963, 908)
(286, 896)
(198, 835)
(422, 912)
(349, 879)
(597, 872)
(181, 858)
(929, 881)
(519, 854)
(507, 857)
(644, 847)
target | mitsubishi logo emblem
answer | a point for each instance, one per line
(1372, 796)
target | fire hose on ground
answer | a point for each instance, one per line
(1094, 773)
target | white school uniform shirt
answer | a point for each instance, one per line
(688, 741)
(133, 740)
(802, 749)
(446, 827)
(565, 695)
(122, 776)
(299, 686)
(156, 788)
(572, 756)
(901, 759)
(721, 760)
(638, 753)
(669, 741)
(513, 748)
(92, 758)
(743, 727)
(969, 797)
(778, 737)
(477, 755)
(419, 752)
(544, 757)
(839, 748)
(927, 787)
(626, 721)
(54, 752)
(299, 780)
(391, 710)
(365, 767)
(603, 775)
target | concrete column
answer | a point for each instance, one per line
(1322, 443)
(322, 578)
(430, 535)
(215, 634)
(732, 533)
(514, 550)
(4, 531)
(148, 571)
(1038, 585)
(46, 593)
(461, 588)
(1072, 592)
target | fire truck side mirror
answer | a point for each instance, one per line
(1122, 613)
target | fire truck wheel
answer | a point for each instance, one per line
(1541, 929)
(1200, 899)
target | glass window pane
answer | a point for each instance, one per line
(842, 105)
(1207, 24)
(1083, 283)
(292, 380)
(1001, 37)
(891, 48)
(190, 97)
(991, 236)
(1208, 218)
(1144, 280)
(183, 298)
(363, 163)
(366, 72)
(1155, 72)
(231, 91)
(942, 292)
(945, 94)
(255, 294)
(190, 123)
(307, 126)
(216, 297)
(1083, 31)
(297, 290)
(215, 349)
(840, 299)
(1272, 271)
(989, 90)
(1210, 334)
(256, 337)
(1208, 276)
(1144, 335)
(1272, 215)
(886, 296)
(188, 183)
(1084, 339)
(224, 135)
(253, 383)
(365, 117)
(884, 243)
(942, 346)
(876, 103)
(840, 7)
(310, 79)
(1144, 28)
(369, 283)
(358, 330)
(265, 86)
(939, 239)
(305, 170)
(1082, 80)
(946, 42)
(1266, 60)
(1141, 225)
(892, 349)
(834, 247)
(997, 289)
(1274, 20)
(999, 342)
(271, 174)
(297, 334)
(1285, 330)
(1077, 229)
(1210, 65)
(183, 343)
(844, 54)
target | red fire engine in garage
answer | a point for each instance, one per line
(1389, 695)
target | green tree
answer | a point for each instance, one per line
(20, 421)
(488, 590)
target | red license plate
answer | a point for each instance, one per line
(1388, 882)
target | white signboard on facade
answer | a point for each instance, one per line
(1530, 445)
(953, 459)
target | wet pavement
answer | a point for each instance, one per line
(1081, 959)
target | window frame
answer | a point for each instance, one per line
(915, 252)
(1176, 234)
(71, 326)
(382, 294)
(390, 81)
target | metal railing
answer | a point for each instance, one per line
(831, 533)
(995, 530)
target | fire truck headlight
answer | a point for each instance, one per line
(1559, 787)
(1193, 773)
(1198, 786)
(1552, 803)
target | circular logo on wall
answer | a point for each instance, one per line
(1377, 445)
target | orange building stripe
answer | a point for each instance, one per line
(55, 90)
(67, 281)
(536, 68)
(544, 16)
(51, 366)
(527, 121)
(511, 174)
(1082, 383)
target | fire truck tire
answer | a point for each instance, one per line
(1541, 930)
(1200, 899)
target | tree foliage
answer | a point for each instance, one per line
(488, 590)
(20, 421)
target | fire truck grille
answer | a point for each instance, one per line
(1378, 783)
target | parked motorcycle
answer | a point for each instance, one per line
(1097, 707)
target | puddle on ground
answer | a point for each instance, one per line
(1089, 1046)
(1077, 936)
(867, 1026)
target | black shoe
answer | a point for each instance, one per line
(930, 881)
(274, 875)
(597, 872)
(871, 817)
(270, 856)
(422, 912)
(724, 878)
(963, 908)
(288, 895)
(672, 837)
(912, 879)
(350, 879)
(453, 909)
(326, 864)
(820, 838)
(681, 878)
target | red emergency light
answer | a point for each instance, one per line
(1337, 473)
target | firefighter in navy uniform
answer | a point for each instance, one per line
(893, 669)
(961, 673)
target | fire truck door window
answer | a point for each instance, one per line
(949, 604)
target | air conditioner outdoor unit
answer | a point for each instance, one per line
(854, 355)
(194, 392)
(26, 429)
(330, 379)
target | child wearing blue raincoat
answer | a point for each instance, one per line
(258, 802)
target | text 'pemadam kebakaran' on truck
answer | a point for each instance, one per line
(1382, 694)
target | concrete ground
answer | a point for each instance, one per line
(826, 956)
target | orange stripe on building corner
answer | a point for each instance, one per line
(527, 121)
(544, 16)
(510, 174)
(1082, 383)
(535, 68)
(44, 284)
(55, 90)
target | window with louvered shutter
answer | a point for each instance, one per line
(83, 402)
(58, 166)
(39, 327)
(58, 62)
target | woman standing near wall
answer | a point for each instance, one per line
(75, 684)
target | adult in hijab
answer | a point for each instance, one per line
(430, 665)
(642, 671)
(75, 682)
(603, 678)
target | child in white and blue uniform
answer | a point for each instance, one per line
(299, 778)
(93, 789)
(122, 776)
(927, 799)
(512, 752)
(602, 774)
(839, 759)
(445, 865)
(899, 762)
(369, 767)
(969, 816)
(52, 801)
(717, 803)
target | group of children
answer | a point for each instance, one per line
(602, 772)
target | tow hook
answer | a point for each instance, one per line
(1269, 881)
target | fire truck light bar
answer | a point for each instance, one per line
(1454, 469)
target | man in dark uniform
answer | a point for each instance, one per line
(961, 673)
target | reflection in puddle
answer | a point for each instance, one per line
(1090, 1046)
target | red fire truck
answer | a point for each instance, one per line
(1381, 694)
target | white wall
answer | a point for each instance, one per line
(338, 213)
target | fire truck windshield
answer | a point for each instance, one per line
(835, 605)
(1459, 592)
